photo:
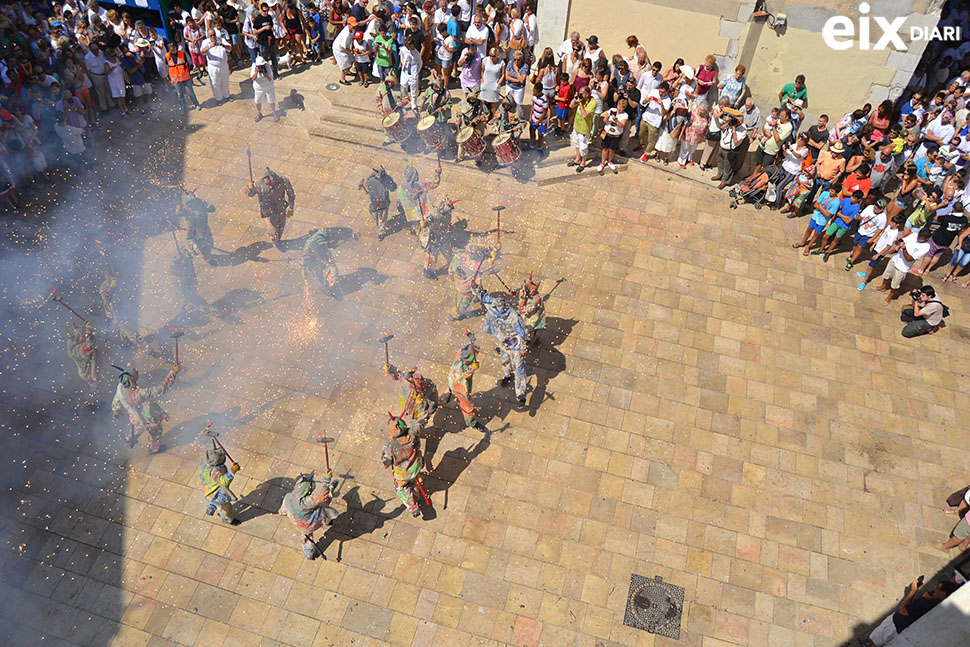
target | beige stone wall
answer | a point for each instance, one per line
(838, 82)
(662, 30)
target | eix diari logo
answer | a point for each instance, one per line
(840, 32)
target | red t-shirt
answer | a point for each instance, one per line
(564, 95)
(854, 183)
(705, 79)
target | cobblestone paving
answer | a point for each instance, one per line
(708, 406)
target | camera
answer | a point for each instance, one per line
(916, 294)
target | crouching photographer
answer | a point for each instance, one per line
(926, 315)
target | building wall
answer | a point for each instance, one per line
(838, 81)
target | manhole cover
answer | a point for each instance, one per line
(655, 606)
(333, 87)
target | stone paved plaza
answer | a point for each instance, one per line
(707, 406)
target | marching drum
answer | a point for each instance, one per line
(506, 148)
(431, 132)
(472, 145)
(395, 127)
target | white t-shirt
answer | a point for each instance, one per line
(478, 33)
(870, 222)
(466, 6)
(887, 238)
(793, 159)
(565, 48)
(653, 108)
(648, 83)
(915, 248)
(217, 54)
(443, 54)
(614, 129)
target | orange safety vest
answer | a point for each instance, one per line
(178, 70)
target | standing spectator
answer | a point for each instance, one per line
(693, 134)
(116, 79)
(178, 73)
(639, 61)
(961, 257)
(881, 247)
(839, 224)
(493, 71)
(547, 73)
(910, 610)
(264, 88)
(734, 87)
(476, 35)
(795, 154)
(94, 62)
(564, 96)
(516, 75)
(713, 134)
(266, 41)
(613, 125)
(411, 69)
(649, 80)
(774, 138)
(826, 205)
(71, 137)
(446, 45)
(585, 108)
(362, 63)
(133, 65)
(818, 135)
(295, 33)
(793, 91)
(193, 35)
(541, 111)
(470, 76)
(908, 250)
(948, 226)
(656, 109)
(706, 76)
(733, 140)
(672, 127)
(216, 49)
(384, 52)
(872, 222)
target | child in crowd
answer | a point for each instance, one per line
(564, 95)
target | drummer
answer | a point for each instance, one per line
(472, 113)
(435, 100)
(506, 118)
(386, 101)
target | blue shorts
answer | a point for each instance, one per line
(562, 113)
(818, 222)
(541, 128)
(875, 260)
(861, 240)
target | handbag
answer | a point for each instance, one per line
(331, 30)
(954, 499)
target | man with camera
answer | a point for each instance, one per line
(733, 137)
(926, 315)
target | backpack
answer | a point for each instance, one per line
(946, 310)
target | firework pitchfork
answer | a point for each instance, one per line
(60, 300)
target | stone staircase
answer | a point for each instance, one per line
(348, 115)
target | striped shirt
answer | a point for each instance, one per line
(539, 107)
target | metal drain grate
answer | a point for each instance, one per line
(655, 606)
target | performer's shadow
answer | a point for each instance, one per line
(240, 255)
(546, 361)
(450, 466)
(350, 283)
(266, 498)
(358, 520)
